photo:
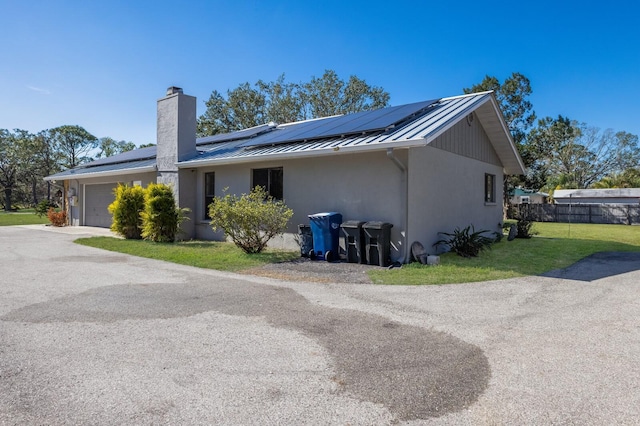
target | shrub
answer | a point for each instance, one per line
(465, 242)
(42, 208)
(161, 216)
(524, 224)
(250, 220)
(126, 209)
(57, 218)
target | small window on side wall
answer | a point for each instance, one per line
(489, 188)
(209, 192)
(271, 180)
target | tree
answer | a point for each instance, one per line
(75, 144)
(8, 166)
(14, 160)
(110, 147)
(630, 178)
(569, 154)
(329, 95)
(282, 102)
(512, 96)
(47, 158)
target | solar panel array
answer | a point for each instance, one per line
(240, 134)
(135, 155)
(351, 124)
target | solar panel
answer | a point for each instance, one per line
(134, 155)
(240, 134)
(361, 122)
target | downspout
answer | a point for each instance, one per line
(405, 175)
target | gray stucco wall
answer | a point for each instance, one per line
(364, 187)
(447, 191)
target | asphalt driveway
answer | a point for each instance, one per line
(93, 337)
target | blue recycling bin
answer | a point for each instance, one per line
(325, 228)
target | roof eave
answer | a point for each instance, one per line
(302, 154)
(131, 171)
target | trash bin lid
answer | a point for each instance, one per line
(323, 215)
(352, 224)
(377, 225)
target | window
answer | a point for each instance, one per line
(209, 192)
(271, 180)
(489, 188)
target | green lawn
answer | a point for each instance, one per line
(552, 248)
(202, 254)
(21, 218)
(557, 245)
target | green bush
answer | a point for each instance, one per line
(250, 220)
(465, 242)
(524, 224)
(42, 208)
(161, 216)
(126, 209)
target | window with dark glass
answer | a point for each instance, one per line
(489, 188)
(271, 180)
(209, 192)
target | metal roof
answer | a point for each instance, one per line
(423, 124)
(597, 193)
(438, 118)
(130, 167)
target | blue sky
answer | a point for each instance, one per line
(103, 65)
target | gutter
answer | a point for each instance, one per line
(120, 172)
(330, 149)
(405, 175)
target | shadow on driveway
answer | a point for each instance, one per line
(598, 266)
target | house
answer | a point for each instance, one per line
(621, 196)
(527, 196)
(425, 167)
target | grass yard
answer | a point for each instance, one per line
(552, 248)
(202, 254)
(556, 246)
(21, 218)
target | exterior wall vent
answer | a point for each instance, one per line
(173, 90)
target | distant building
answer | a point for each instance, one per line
(527, 196)
(597, 196)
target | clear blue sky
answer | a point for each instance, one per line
(103, 65)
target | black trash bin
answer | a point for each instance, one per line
(325, 228)
(305, 239)
(377, 237)
(354, 241)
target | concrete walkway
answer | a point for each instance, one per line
(94, 337)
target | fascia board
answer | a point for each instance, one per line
(322, 152)
(120, 172)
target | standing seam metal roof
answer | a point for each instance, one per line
(220, 149)
(419, 130)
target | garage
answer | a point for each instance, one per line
(97, 199)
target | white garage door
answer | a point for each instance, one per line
(97, 199)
